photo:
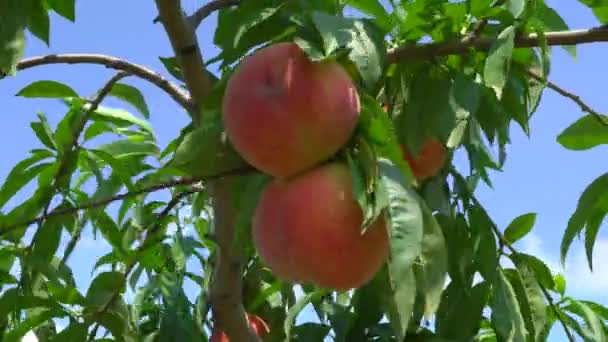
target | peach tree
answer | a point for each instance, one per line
(315, 172)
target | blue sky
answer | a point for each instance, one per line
(540, 176)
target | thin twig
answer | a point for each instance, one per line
(100, 203)
(197, 17)
(575, 98)
(176, 92)
(476, 31)
(145, 245)
(461, 46)
(504, 242)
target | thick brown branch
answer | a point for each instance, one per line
(226, 289)
(187, 52)
(431, 50)
(575, 98)
(225, 294)
(197, 17)
(177, 93)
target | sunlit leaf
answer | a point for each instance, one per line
(47, 89)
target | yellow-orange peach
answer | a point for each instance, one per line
(284, 113)
(308, 230)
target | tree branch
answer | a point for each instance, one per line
(504, 242)
(481, 24)
(103, 202)
(187, 52)
(431, 50)
(226, 288)
(575, 98)
(225, 293)
(197, 17)
(96, 204)
(177, 93)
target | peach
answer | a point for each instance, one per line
(308, 230)
(255, 322)
(284, 113)
(429, 159)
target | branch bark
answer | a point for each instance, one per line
(187, 52)
(177, 93)
(197, 17)
(431, 50)
(226, 288)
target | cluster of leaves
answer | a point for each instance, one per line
(439, 230)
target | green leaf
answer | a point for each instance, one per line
(530, 297)
(129, 148)
(103, 288)
(599, 7)
(116, 116)
(585, 133)
(433, 263)
(73, 332)
(498, 63)
(206, 151)
(132, 96)
(506, 316)
(12, 37)
(594, 328)
(33, 321)
(295, 310)
(21, 175)
(560, 283)
(485, 254)
(44, 132)
(423, 115)
(38, 22)
(480, 7)
(406, 229)
(552, 21)
(310, 332)
(599, 309)
(398, 296)
(47, 89)
(250, 24)
(47, 238)
(541, 270)
(593, 227)
(516, 7)
(465, 99)
(170, 64)
(366, 45)
(375, 9)
(65, 8)
(594, 196)
(455, 323)
(519, 227)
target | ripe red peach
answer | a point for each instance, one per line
(256, 323)
(307, 230)
(285, 113)
(428, 161)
